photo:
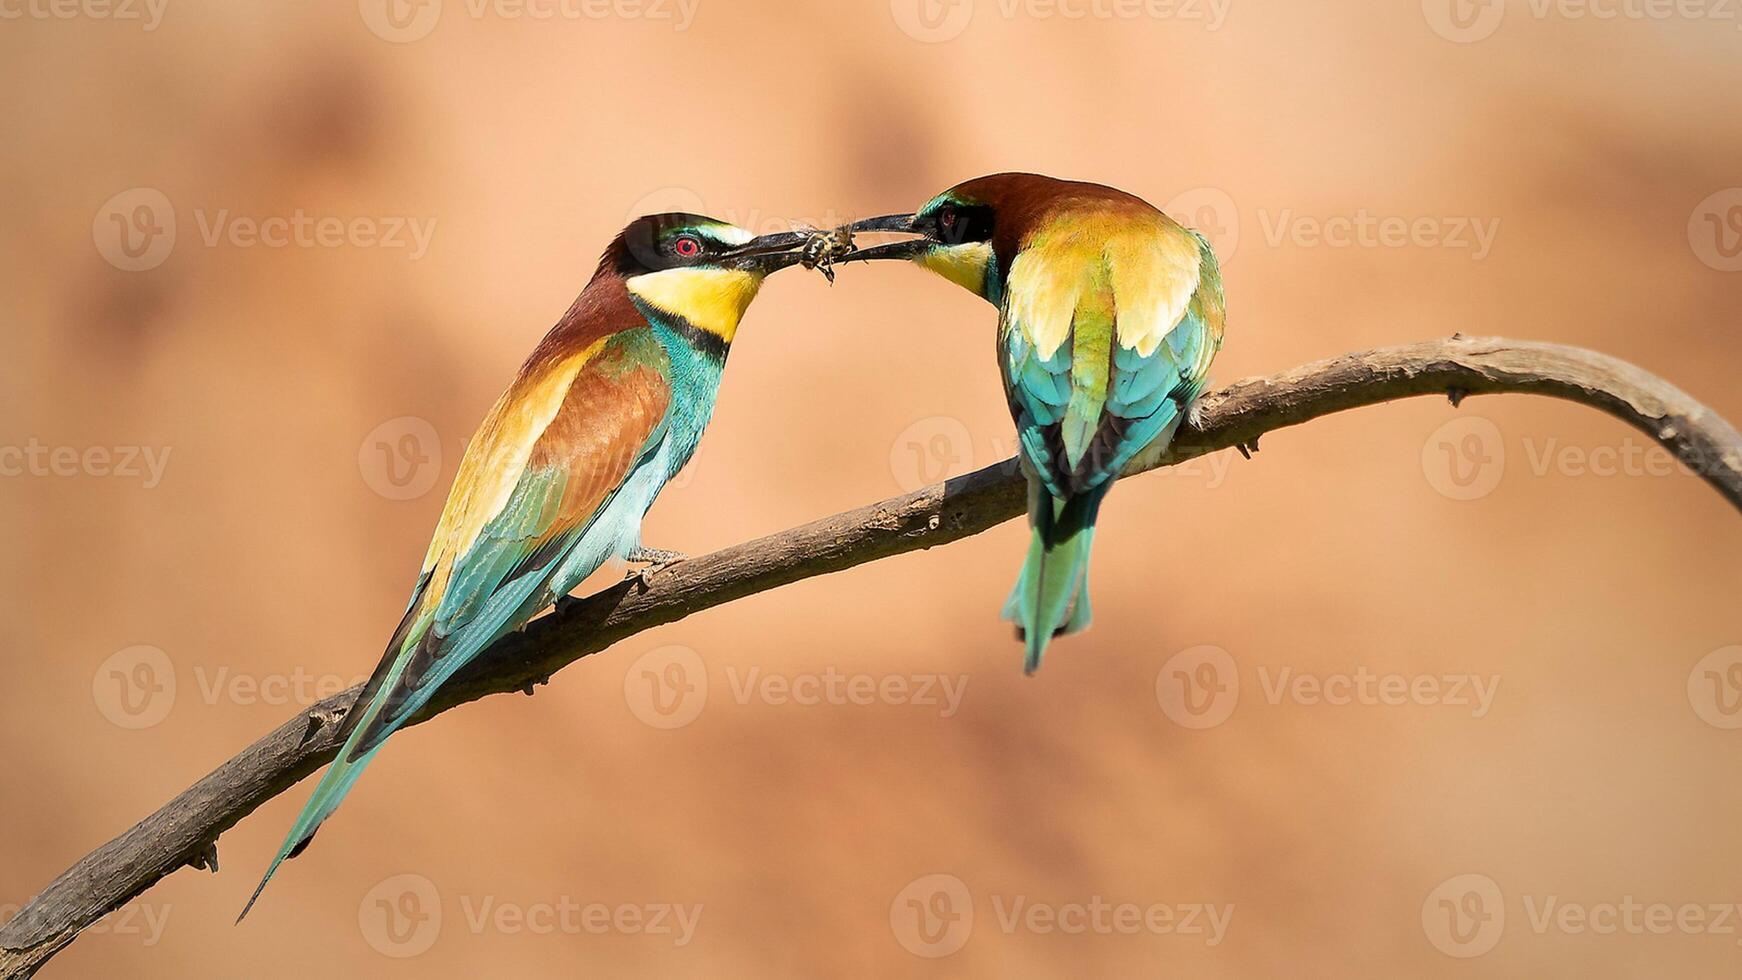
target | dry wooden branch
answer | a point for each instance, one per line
(185, 830)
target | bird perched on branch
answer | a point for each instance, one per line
(1109, 313)
(558, 477)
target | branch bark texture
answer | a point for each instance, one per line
(185, 830)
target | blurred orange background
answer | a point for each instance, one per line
(1559, 176)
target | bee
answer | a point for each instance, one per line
(824, 247)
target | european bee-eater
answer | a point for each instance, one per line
(558, 477)
(1109, 313)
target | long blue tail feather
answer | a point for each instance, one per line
(1051, 596)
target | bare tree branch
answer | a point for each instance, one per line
(185, 830)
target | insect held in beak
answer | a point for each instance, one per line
(824, 247)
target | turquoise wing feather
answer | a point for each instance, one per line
(494, 566)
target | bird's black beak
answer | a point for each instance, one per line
(888, 222)
(892, 250)
(768, 253)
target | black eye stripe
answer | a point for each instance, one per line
(960, 224)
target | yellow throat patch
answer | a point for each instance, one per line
(713, 300)
(964, 265)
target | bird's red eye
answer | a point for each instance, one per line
(686, 246)
(948, 219)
